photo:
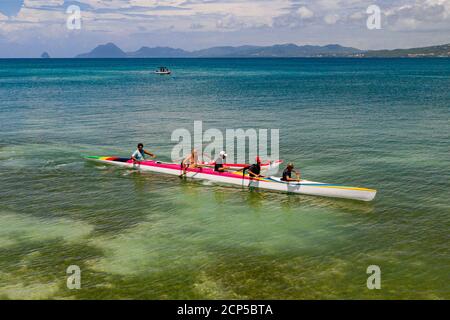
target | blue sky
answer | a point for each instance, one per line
(29, 27)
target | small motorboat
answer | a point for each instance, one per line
(163, 70)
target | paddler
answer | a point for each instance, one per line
(254, 171)
(220, 161)
(287, 173)
(139, 154)
(190, 161)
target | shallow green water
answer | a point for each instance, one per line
(382, 124)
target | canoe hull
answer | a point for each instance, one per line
(237, 178)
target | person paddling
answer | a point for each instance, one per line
(254, 171)
(190, 161)
(220, 161)
(287, 173)
(139, 154)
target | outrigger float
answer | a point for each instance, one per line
(240, 178)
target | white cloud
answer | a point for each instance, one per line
(305, 13)
(40, 3)
(330, 4)
(211, 21)
(406, 23)
(3, 17)
(230, 22)
(420, 14)
(359, 15)
(331, 18)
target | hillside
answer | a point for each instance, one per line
(110, 50)
(433, 51)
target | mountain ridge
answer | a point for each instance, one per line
(288, 50)
(108, 50)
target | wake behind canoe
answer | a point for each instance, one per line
(238, 178)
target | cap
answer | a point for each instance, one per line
(223, 154)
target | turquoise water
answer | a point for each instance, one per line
(381, 124)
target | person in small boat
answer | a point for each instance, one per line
(287, 173)
(254, 171)
(139, 154)
(220, 161)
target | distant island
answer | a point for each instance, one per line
(45, 55)
(110, 50)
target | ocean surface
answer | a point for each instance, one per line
(381, 124)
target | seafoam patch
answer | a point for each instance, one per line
(199, 233)
(33, 291)
(21, 227)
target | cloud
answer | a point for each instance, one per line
(305, 13)
(196, 26)
(421, 14)
(330, 4)
(296, 17)
(81, 5)
(204, 22)
(331, 18)
(42, 3)
(230, 22)
(358, 15)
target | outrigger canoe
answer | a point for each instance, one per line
(240, 178)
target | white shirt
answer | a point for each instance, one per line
(138, 155)
(220, 160)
